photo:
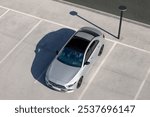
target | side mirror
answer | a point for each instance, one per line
(87, 63)
(57, 52)
(37, 50)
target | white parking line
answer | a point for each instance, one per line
(130, 46)
(95, 73)
(20, 42)
(4, 13)
(53, 22)
(142, 85)
(50, 21)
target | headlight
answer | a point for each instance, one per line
(71, 84)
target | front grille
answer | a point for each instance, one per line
(57, 85)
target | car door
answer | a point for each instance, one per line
(95, 47)
(90, 56)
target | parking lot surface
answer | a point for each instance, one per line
(31, 32)
(136, 9)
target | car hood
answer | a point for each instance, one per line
(61, 73)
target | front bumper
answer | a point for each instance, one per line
(58, 87)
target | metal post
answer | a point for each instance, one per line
(122, 9)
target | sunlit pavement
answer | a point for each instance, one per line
(28, 30)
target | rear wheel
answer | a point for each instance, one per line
(80, 82)
(101, 50)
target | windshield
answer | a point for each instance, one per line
(71, 56)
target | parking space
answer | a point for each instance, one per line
(13, 28)
(26, 67)
(122, 74)
(144, 93)
(136, 36)
(28, 42)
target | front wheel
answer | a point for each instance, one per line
(101, 50)
(79, 82)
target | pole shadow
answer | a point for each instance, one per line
(45, 52)
(74, 13)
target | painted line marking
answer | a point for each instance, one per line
(11, 51)
(53, 22)
(4, 13)
(142, 85)
(95, 73)
(130, 46)
(103, 13)
(50, 21)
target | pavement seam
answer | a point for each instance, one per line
(142, 85)
(12, 50)
(53, 22)
(99, 67)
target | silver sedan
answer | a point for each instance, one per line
(72, 62)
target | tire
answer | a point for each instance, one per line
(101, 50)
(79, 82)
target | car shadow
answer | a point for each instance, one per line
(45, 52)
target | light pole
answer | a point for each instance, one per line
(122, 9)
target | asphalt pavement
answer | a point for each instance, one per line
(137, 10)
(30, 31)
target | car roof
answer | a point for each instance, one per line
(85, 35)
